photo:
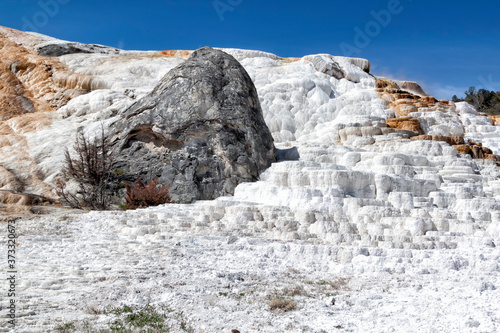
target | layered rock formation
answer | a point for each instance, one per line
(29, 93)
(29, 84)
(201, 129)
(329, 108)
(435, 120)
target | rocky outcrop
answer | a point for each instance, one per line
(408, 86)
(200, 130)
(59, 49)
(405, 98)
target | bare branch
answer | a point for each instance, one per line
(91, 169)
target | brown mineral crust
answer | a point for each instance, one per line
(30, 83)
(447, 139)
(176, 53)
(403, 103)
(496, 120)
(463, 149)
(405, 123)
(428, 100)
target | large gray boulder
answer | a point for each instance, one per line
(200, 130)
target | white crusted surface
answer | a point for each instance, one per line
(70, 269)
(411, 225)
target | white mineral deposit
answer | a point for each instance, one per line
(362, 227)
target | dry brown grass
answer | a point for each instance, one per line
(282, 304)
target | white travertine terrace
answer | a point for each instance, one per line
(415, 226)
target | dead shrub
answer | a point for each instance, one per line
(91, 169)
(142, 195)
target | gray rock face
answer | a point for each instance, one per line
(200, 130)
(59, 49)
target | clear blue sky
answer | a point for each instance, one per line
(446, 46)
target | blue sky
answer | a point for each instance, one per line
(446, 46)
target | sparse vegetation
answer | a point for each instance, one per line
(184, 325)
(66, 328)
(141, 195)
(146, 317)
(119, 172)
(125, 319)
(283, 304)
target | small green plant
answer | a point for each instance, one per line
(120, 311)
(223, 294)
(129, 319)
(146, 317)
(66, 328)
(119, 172)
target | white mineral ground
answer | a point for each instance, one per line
(402, 234)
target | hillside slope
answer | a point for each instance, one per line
(393, 191)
